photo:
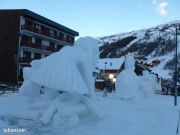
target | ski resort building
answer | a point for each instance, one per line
(25, 36)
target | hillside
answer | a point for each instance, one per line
(152, 43)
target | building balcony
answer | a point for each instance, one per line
(39, 46)
(25, 60)
(47, 34)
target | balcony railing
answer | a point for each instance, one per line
(39, 46)
(46, 33)
(25, 60)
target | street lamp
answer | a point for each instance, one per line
(114, 80)
(111, 76)
(105, 70)
(175, 33)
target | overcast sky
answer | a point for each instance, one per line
(102, 17)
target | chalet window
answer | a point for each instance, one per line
(26, 39)
(52, 45)
(51, 33)
(38, 43)
(26, 57)
(27, 54)
(56, 34)
(44, 30)
(27, 22)
(72, 39)
(37, 28)
(37, 56)
(65, 37)
(69, 39)
(61, 36)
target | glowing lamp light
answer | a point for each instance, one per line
(111, 76)
(114, 80)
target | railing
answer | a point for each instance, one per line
(46, 33)
(25, 60)
(39, 46)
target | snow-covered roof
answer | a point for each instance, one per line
(110, 63)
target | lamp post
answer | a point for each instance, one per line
(175, 33)
(105, 70)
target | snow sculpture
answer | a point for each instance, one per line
(67, 77)
(149, 84)
(127, 81)
(28, 88)
(70, 69)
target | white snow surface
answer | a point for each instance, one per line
(111, 63)
(155, 115)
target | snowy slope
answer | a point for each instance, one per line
(151, 43)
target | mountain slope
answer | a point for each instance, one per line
(153, 43)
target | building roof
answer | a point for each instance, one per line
(110, 63)
(40, 18)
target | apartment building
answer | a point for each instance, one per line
(25, 36)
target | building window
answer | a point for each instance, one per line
(51, 33)
(56, 34)
(27, 54)
(26, 57)
(26, 39)
(38, 43)
(37, 28)
(27, 22)
(61, 36)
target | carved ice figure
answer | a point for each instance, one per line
(127, 81)
(68, 71)
(28, 88)
(149, 83)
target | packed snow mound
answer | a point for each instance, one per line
(127, 81)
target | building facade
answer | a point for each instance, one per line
(25, 36)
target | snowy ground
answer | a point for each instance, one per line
(155, 115)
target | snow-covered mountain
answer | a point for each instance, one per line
(152, 43)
